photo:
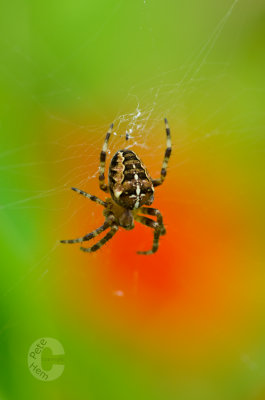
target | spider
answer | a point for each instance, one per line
(131, 187)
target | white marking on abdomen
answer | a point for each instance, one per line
(138, 193)
(117, 193)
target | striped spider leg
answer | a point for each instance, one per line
(109, 223)
(103, 186)
(157, 182)
(105, 239)
(158, 226)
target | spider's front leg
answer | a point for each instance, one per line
(97, 231)
(90, 235)
(111, 221)
(156, 213)
(103, 156)
(157, 232)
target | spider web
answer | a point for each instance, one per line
(141, 112)
(75, 148)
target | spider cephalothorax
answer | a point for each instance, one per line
(131, 187)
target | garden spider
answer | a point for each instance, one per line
(131, 187)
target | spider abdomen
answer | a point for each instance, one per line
(129, 182)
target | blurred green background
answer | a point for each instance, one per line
(68, 69)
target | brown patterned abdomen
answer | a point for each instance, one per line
(130, 183)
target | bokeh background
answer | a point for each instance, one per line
(188, 322)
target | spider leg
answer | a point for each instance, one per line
(90, 196)
(90, 235)
(157, 182)
(157, 232)
(103, 155)
(101, 242)
(157, 214)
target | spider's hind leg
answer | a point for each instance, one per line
(157, 182)
(90, 196)
(103, 156)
